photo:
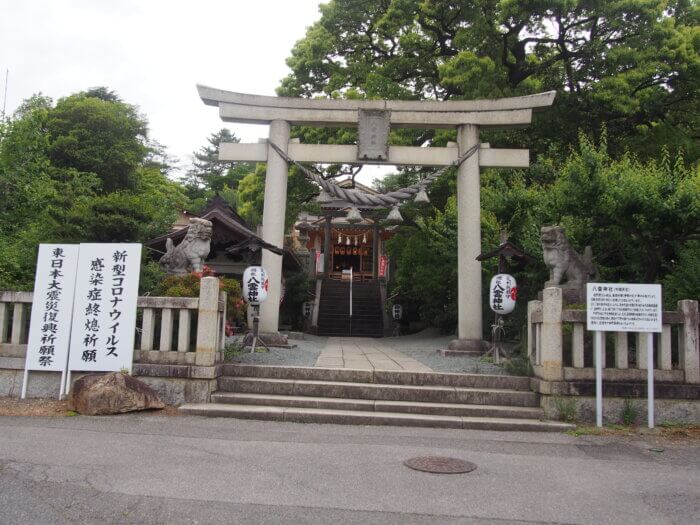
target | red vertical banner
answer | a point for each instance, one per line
(383, 264)
(319, 262)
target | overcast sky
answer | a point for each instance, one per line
(153, 53)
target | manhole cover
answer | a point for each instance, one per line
(439, 465)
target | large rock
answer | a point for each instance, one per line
(113, 393)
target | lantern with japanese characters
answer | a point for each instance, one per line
(255, 285)
(397, 312)
(503, 292)
(306, 309)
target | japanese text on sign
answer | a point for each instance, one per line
(104, 318)
(255, 284)
(624, 307)
(49, 329)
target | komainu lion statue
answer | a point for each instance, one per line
(563, 261)
(190, 254)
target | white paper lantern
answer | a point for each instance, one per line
(306, 309)
(397, 312)
(503, 292)
(255, 284)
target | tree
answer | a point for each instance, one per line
(94, 135)
(637, 215)
(208, 174)
(632, 64)
(78, 171)
(251, 196)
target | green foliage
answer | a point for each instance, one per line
(566, 407)
(637, 215)
(296, 292)
(629, 413)
(251, 194)
(632, 65)
(683, 278)
(93, 135)
(79, 171)
(519, 366)
(208, 174)
(152, 274)
(426, 260)
(188, 286)
(231, 350)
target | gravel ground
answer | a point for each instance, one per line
(305, 353)
(422, 347)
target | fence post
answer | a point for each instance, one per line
(530, 328)
(551, 354)
(207, 322)
(689, 358)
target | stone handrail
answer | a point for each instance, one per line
(557, 349)
(157, 340)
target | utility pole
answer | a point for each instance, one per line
(4, 99)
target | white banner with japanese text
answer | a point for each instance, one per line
(104, 315)
(50, 324)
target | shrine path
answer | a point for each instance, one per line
(365, 354)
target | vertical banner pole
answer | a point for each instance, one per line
(598, 343)
(24, 382)
(650, 380)
(67, 389)
(63, 385)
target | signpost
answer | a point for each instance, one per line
(623, 308)
(52, 308)
(104, 311)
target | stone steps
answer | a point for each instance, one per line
(356, 417)
(375, 397)
(392, 377)
(382, 392)
(371, 405)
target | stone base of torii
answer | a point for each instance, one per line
(467, 117)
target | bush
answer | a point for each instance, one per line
(188, 286)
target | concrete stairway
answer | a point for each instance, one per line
(334, 309)
(367, 397)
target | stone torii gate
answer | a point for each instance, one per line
(374, 118)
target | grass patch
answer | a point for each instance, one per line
(231, 350)
(519, 366)
(629, 412)
(607, 430)
(679, 425)
(567, 408)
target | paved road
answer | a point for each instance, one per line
(158, 469)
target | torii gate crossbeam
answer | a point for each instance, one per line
(466, 116)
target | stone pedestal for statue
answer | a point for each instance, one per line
(269, 338)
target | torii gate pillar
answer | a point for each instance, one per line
(469, 324)
(273, 223)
